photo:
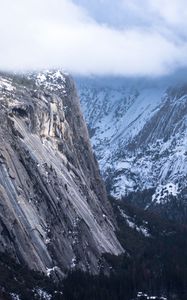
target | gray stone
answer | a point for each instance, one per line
(54, 213)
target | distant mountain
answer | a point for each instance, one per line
(138, 129)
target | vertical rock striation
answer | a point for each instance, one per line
(54, 213)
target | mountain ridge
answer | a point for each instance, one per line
(138, 131)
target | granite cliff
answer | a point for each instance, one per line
(54, 213)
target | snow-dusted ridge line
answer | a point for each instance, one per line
(138, 131)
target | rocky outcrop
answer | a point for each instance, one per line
(54, 214)
(138, 130)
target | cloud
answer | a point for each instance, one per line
(148, 38)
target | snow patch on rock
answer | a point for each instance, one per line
(130, 222)
(163, 191)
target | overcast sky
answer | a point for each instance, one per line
(120, 37)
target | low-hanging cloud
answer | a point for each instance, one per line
(149, 39)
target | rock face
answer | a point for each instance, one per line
(138, 129)
(54, 213)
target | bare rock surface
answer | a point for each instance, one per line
(54, 213)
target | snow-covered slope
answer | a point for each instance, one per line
(138, 129)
